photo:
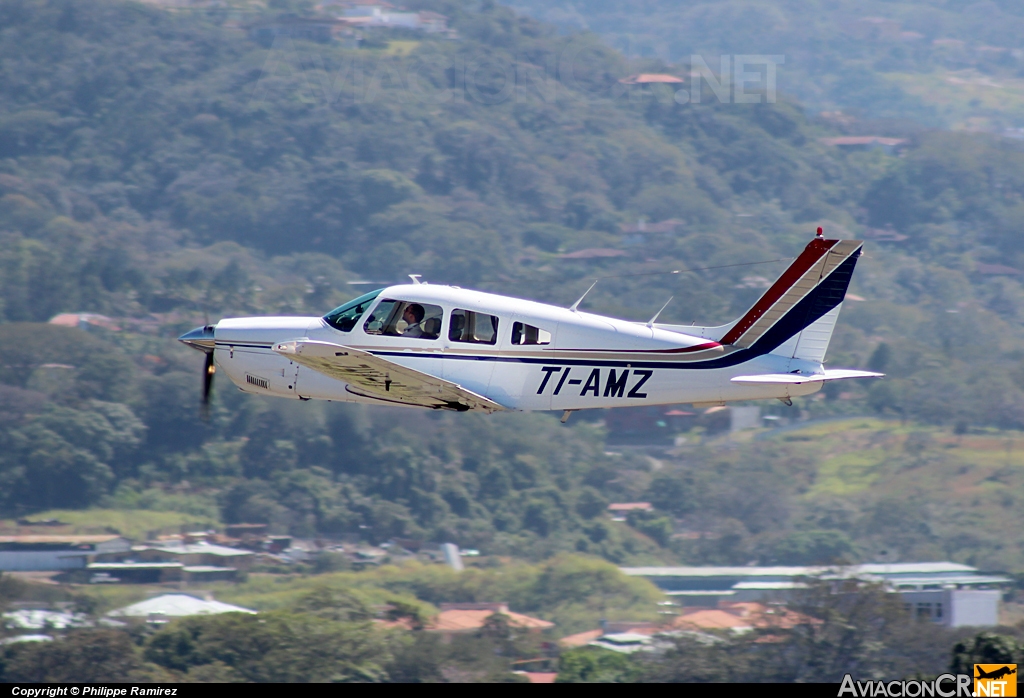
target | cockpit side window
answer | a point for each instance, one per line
(474, 328)
(393, 318)
(345, 317)
(528, 334)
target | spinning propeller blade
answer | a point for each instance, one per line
(208, 370)
(202, 338)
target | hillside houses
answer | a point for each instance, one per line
(383, 14)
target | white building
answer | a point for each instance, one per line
(160, 609)
(946, 593)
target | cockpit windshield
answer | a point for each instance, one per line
(345, 317)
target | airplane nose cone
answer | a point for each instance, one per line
(200, 338)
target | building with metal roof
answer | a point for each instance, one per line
(160, 608)
(201, 554)
(55, 553)
(947, 593)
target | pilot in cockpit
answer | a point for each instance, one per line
(413, 316)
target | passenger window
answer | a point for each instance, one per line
(475, 328)
(528, 334)
(405, 319)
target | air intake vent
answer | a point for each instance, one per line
(258, 382)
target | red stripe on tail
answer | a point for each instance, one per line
(813, 253)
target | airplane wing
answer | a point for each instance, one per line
(379, 378)
(797, 379)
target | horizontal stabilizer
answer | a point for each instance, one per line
(375, 377)
(797, 379)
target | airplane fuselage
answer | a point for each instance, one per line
(530, 356)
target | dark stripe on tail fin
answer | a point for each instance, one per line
(811, 255)
(815, 266)
(825, 296)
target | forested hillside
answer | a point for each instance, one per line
(162, 168)
(914, 63)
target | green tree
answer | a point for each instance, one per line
(673, 493)
(595, 665)
(82, 656)
(274, 647)
(40, 470)
(812, 548)
(986, 648)
(659, 528)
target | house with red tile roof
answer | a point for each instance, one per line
(742, 617)
(540, 676)
(470, 617)
(630, 506)
(712, 619)
(580, 639)
(651, 79)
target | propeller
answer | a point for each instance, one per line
(202, 338)
(208, 370)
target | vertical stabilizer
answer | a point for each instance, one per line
(795, 317)
(810, 287)
(811, 343)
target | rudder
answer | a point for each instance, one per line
(811, 343)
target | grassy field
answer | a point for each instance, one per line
(856, 452)
(400, 48)
(926, 490)
(131, 523)
(858, 455)
(968, 99)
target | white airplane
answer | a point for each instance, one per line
(444, 347)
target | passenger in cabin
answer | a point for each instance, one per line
(413, 316)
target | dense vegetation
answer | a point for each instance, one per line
(914, 63)
(162, 168)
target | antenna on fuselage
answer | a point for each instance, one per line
(416, 278)
(650, 323)
(577, 303)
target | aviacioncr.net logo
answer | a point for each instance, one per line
(945, 686)
(992, 680)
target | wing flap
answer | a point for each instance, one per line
(798, 379)
(379, 378)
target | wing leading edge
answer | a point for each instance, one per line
(374, 377)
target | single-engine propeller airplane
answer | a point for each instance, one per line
(444, 347)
